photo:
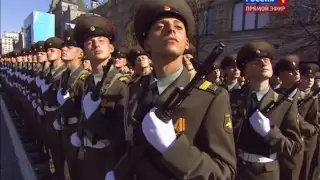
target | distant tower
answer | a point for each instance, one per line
(94, 4)
(65, 11)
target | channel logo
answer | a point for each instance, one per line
(273, 6)
(261, 1)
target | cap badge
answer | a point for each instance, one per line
(68, 38)
(258, 51)
(50, 44)
(40, 47)
(166, 8)
(92, 28)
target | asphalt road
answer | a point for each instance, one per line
(9, 164)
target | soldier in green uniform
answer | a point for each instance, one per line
(120, 59)
(308, 109)
(231, 72)
(49, 96)
(197, 143)
(99, 132)
(263, 136)
(140, 61)
(287, 69)
(69, 96)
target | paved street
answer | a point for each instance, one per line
(9, 165)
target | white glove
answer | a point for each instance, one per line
(40, 111)
(260, 123)
(56, 125)
(28, 97)
(45, 87)
(110, 176)
(89, 106)
(34, 104)
(75, 140)
(159, 134)
(30, 79)
(62, 98)
(37, 81)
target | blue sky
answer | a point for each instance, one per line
(13, 12)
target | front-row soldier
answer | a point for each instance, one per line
(202, 145)
(50, 104)
(100, 138)
(308, 106)
(264, 136)
(69, 97)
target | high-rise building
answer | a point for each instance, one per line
(8, 40)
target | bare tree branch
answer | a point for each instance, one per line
(304, 46)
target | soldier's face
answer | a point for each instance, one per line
(120, 62)
(19, 59)
(143, 61)
(232, 72)
(167, 37)
(289, 77)
(259, 70)
(307, 82)
(216, 73)
(98, 48)
(34, 58)
(70, 53)
(53, 54)
(42, 57)
(29, 58)
(86, 64)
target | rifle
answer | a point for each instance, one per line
(64, 83)
(49, 76)
(179, 95)
(94, 96)
(314, 95)
(273, 105)
(96, 90)
(165, 112)
(42, 70)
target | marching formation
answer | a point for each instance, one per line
(94, 111)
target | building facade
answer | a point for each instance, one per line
(20, 44)
(225, 21)
(8, 40)
(121, 13)
(66, 11)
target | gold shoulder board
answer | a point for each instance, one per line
(208, 86)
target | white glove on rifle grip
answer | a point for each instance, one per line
(159, 134)
(40, 111)
(45, 87)
(75, 140)
(62, 98)
(89, 105)
(56, 125)
(37, 81)
(260, 123)
(110, 176)
(34, 104)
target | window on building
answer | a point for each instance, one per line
(202, 22)
(211, 21)
(248, 21)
